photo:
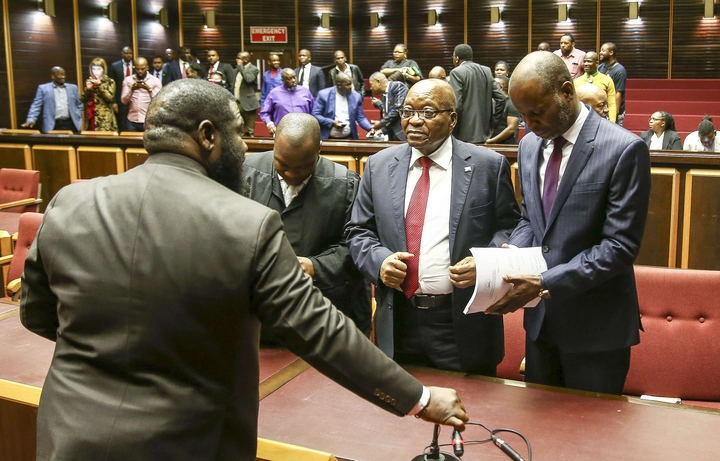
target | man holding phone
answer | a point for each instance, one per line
(137, 91)
(339, 110)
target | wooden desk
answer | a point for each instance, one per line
(314, 412)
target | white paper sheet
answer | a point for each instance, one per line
(491, 264)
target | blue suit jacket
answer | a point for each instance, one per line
(591, 239)
(483, 212)
(171, 72)
(324, 112)
(44, 103)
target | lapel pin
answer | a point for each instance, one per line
(468, 168)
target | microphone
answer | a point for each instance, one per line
(514, 455)
(458, 443)
(435, 453)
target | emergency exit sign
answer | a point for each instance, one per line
(268, 34)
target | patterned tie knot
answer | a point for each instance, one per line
(426, 162)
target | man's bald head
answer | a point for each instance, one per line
(542, 91)
(543, 46)
(595, 97)
(178, 109)
(437, 72)
(297, 147)
(297, 128)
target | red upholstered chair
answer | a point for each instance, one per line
(679, 350)
(27, 230)
(512, 365)
(19, 190)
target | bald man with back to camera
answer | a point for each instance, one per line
(156, 354)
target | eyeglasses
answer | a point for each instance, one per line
(656, 119)
(426, 114)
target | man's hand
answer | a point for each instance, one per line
(307, 265)
(338, 124)
(28, 125)
(376, 124)
(271, 128)
(445, 408)
(393, 269)
(525, 289)
(462, 274)
(370, 134)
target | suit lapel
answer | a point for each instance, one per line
(330, 107)
(581, 152)
(462, 172)
(531, 163)
(398, 170)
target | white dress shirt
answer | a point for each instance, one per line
(434, 262)
(655, 142)
(290, 192)
(305, 75)
(342, 114)
(570, 136)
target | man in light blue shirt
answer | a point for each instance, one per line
(58, 102)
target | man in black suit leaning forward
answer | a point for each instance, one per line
(314, 197)
(586, 186)
(156, 353)
(420, 208)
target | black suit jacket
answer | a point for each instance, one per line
(671, 140)
(116, 73)
(591, 239)
(483, 212)
(155, 312)
(171, 72)
(315, 223)
(227, 71)
(316, 81)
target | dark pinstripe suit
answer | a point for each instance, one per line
(591, 239)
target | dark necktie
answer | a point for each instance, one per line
(302, 75)
(414, 220)
(552, 175)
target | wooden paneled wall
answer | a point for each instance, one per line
(39, 42)
(670, 40)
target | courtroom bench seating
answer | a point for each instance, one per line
(680, 347)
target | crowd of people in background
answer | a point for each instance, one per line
(116, 97)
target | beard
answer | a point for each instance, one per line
(564, 111)
(228, 168)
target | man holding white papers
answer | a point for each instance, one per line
(586, 186)
(420, 207)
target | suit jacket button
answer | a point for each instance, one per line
(393, 402)
(545, 249)
(377, 392)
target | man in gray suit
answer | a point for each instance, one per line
(475, 90)
(314, 197)
(586, 186)
(418, 254)
(153, 284)
(245, 86)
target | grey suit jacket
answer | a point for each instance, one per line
(244, 89)
(671, 140)
(475, 90)
(155, 309)
(315, 223)
(483, 212)
(591, 239)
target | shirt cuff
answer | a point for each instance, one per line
(422, 403)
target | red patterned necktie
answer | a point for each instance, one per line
(414, 220)
(552, 175)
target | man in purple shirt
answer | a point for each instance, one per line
(285, 99)
(572, 56)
